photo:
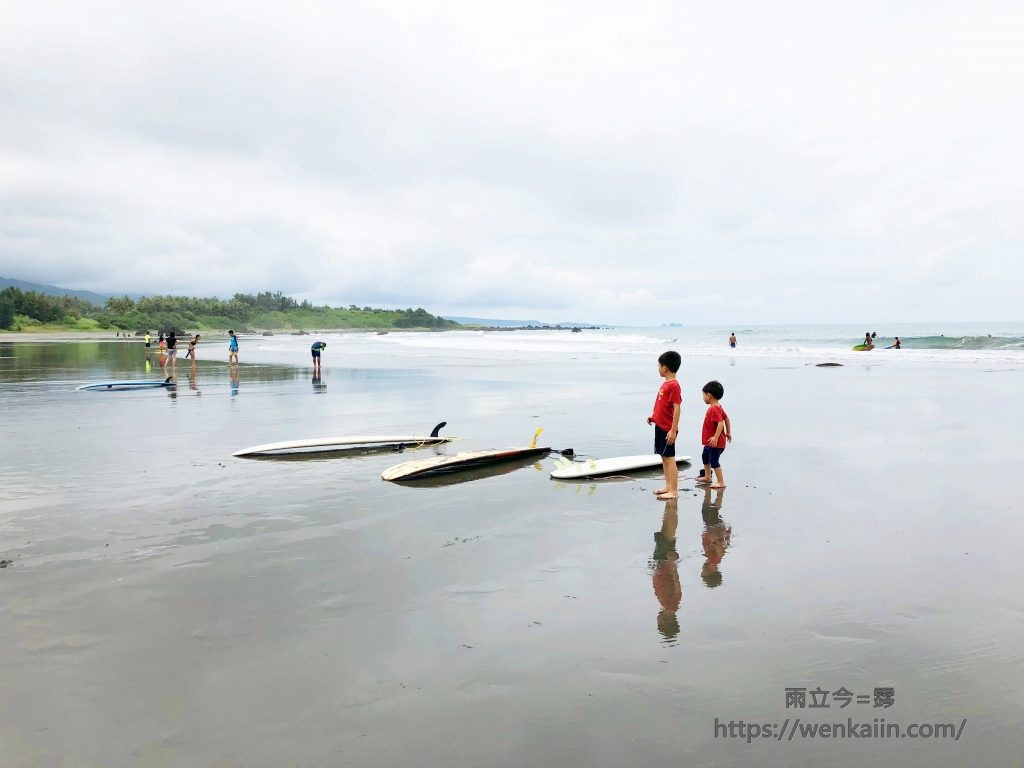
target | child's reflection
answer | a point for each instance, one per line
(716, 538)
(665, 573)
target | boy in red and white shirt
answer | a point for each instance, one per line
(717, 431)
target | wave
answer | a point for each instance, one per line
(962, 342)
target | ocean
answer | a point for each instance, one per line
(974, 343)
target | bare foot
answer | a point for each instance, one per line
(701, 481)
(666, 496)
(660, 491)
(717, 486)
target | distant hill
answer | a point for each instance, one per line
(53, 290)
(514, 323)
(100, 299)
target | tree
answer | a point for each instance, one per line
(6, 310)
(120, 306)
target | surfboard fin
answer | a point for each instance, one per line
(533, 443)
(437, 429)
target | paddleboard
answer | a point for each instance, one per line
(439, 465)
(326, 444)
(128, 384)
(576, 470)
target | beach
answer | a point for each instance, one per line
(169, 605)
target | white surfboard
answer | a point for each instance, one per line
(327, 444)
(437, 465)
(577, 470)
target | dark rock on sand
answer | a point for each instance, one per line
(829, 365)
(5, 563)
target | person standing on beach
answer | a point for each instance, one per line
(162, 346)
(732, 340)
(716, 432)
(315, 350)
(192, 349)
(665, 419)
(232, 348)
(149, 340)
(172, 350)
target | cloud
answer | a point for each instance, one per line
(622, 163)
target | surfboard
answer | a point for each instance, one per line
(439, 465)
(128, 384)
(327, 444)
(471, 474)
(577, 470)
(863, 348)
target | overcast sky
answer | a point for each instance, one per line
(624, 162)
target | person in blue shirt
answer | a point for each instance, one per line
(232, 348)
(315, 350)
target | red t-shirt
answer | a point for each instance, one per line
(714, 415)
(668, 395)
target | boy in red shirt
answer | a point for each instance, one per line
(665, 419)
(715, 434)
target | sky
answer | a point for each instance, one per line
(633, 163)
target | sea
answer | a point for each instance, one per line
(924, 342)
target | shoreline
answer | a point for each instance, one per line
(71, 334)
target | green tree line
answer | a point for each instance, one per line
(20, 309)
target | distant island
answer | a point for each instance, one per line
(22, 310)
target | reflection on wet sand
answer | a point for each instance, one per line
(233, 379)
(318, 385)
(665, 573)
(715, 539)
(455, 478)
(338, 452)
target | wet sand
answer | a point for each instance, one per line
(169, 605)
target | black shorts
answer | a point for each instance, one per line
(710, 456)
(661, 446)
(316, 354)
